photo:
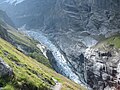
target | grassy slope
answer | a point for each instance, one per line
(111, 41)
(29, 45)
(30, 72)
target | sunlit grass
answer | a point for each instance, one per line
(28, 71)
(113, 41)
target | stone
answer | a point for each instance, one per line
(5, 69)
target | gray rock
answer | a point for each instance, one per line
(104, 72)
(5, 69)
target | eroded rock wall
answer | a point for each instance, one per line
(102, 68)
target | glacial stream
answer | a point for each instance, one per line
(60, 59)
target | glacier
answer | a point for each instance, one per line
(61, 61)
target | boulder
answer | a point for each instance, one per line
(5, 69)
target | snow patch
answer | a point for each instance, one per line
(14, 2)
(88, 41)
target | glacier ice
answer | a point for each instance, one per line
(62, 63)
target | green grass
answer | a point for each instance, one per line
(113, 41)
(29, 72)
(28, 44)
(24, 68)
(8, 87)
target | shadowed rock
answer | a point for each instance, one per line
(103, 69)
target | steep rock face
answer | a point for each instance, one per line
(72, 25)
(33, 16)
(102, 67)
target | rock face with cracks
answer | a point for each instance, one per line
(103, 68)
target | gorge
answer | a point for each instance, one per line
(81, 36)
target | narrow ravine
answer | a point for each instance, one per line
(60, 59)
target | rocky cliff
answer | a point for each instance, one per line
(102, 64)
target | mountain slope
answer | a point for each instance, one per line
(29, 73)
(21, 72)
(27, 45)
(72, 26)
(22, 42)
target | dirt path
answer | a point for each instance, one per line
(58, 86)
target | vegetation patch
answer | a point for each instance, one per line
(113, 41)
(28, 45)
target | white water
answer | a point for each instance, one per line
(62, 63)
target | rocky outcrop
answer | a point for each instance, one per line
(5, 69)
(103, 68)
